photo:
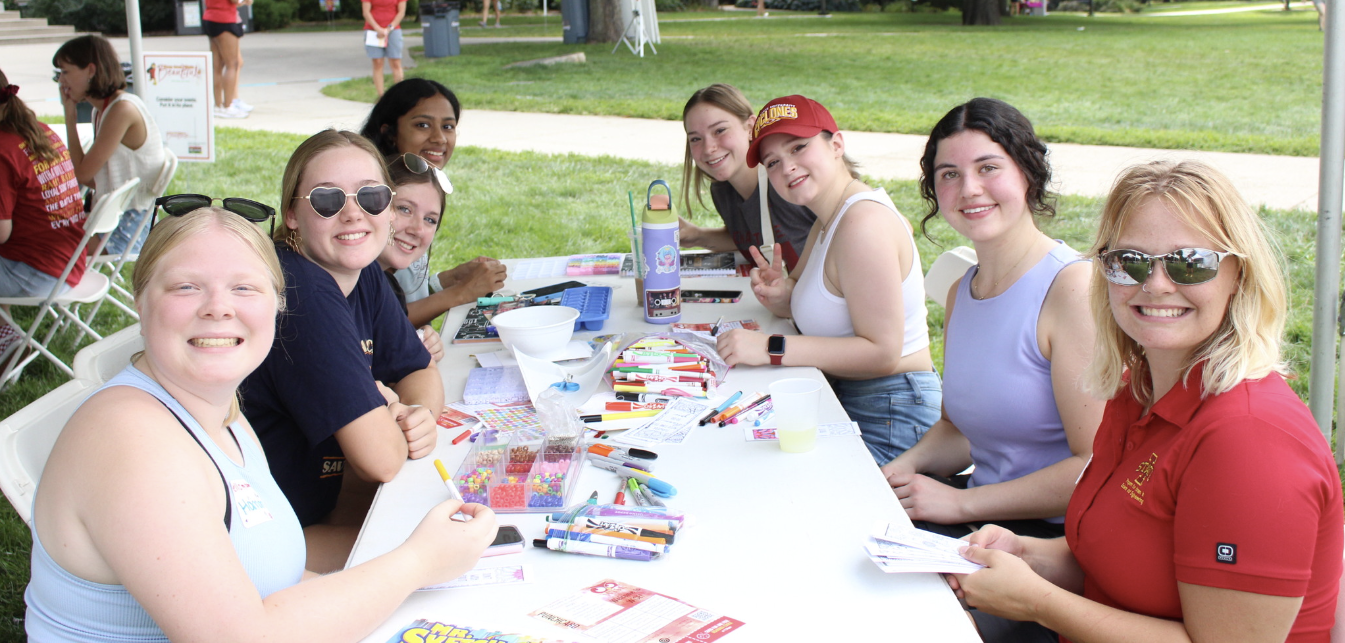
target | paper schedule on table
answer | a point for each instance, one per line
(614, 612)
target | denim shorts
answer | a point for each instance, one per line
(393, 50)
(130, 220)
(18, 279)
(893, 412)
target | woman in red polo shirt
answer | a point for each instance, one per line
(1211, 509)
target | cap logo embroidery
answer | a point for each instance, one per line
(774, 114)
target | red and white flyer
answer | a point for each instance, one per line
(614, 612)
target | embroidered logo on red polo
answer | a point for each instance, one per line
(1226, 553)
(1134, 487)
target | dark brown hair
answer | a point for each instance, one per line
(1004, 125)
(108, 78)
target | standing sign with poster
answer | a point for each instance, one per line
(178, 94)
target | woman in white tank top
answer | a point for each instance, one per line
(857, 293)
(126, 141)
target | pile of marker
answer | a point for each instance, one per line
(612, 531)
(662, 366)
(755, 408)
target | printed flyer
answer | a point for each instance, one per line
(615, 612)
(426, 631)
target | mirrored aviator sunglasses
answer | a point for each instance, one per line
(419, 165)
(177, 205)
(327, 202)
(1184, 266)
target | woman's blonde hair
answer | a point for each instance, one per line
(725, 97)
(299, 160)
(174, 231)
(1247, 342)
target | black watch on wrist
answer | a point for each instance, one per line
(775, 347)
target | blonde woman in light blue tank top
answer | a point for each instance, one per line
(156, 517)
(856, 294)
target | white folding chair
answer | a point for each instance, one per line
(92, 287)
(99, 361)
(948, 268)
(26, 439)
(111, 265)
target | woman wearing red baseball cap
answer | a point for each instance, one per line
(857, 293)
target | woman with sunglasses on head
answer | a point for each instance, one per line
(1016, 338)
(417, 208)
(420, 117)
(126, 142)
(348, 386)
(41, 214)
(857, 296)
(157, 518)
(718, 122)
(1211, 509)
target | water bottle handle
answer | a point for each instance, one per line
(648, 193)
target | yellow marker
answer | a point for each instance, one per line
(606, 417)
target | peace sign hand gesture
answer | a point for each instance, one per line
(769, 282)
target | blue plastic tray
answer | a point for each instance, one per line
(594, 304)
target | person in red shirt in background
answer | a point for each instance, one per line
(1211, 509)
(41, 212)
(384, 18)
(221, 23)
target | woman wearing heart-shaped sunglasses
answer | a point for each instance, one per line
(347, 385)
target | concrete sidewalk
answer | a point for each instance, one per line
(283, 75)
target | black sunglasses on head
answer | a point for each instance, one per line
(177, 205)
(419, 165)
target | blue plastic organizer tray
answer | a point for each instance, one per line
(594, 304)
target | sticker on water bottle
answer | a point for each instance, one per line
(666, 258)
(663, 303)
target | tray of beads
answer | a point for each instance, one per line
(523, 471)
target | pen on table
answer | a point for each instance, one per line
(736, 409)
(657, 485)
(622, 407)
(649, 495)
(720, 409)
(452, 488)
(753, 414)
(714, 330)
(761, 399)
(593, 499)
(642, 397)
(635, 493)
(764, 416)
(608, 417)
(620, 498)
(462, 436)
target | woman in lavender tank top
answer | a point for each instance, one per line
(1018, 335)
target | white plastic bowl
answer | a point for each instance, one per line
(536, 330)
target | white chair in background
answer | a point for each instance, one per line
(947, 269)
(99, 361)
(26, 439)
(92, 287)
(111, 265)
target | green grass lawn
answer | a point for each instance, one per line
(557, 205)
(1243, 82)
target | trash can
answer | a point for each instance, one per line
(574, 21)
(439, 28)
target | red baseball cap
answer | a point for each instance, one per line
(796, 115)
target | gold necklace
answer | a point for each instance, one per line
(995, 285)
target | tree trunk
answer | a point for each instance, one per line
(604, 23)
(980, 12)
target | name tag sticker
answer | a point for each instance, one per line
(248, 503)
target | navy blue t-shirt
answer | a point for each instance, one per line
(328, 351)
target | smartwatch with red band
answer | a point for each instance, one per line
(775, 347)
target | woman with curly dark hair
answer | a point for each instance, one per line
(1017, 339)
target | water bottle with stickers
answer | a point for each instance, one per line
(662, 260)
